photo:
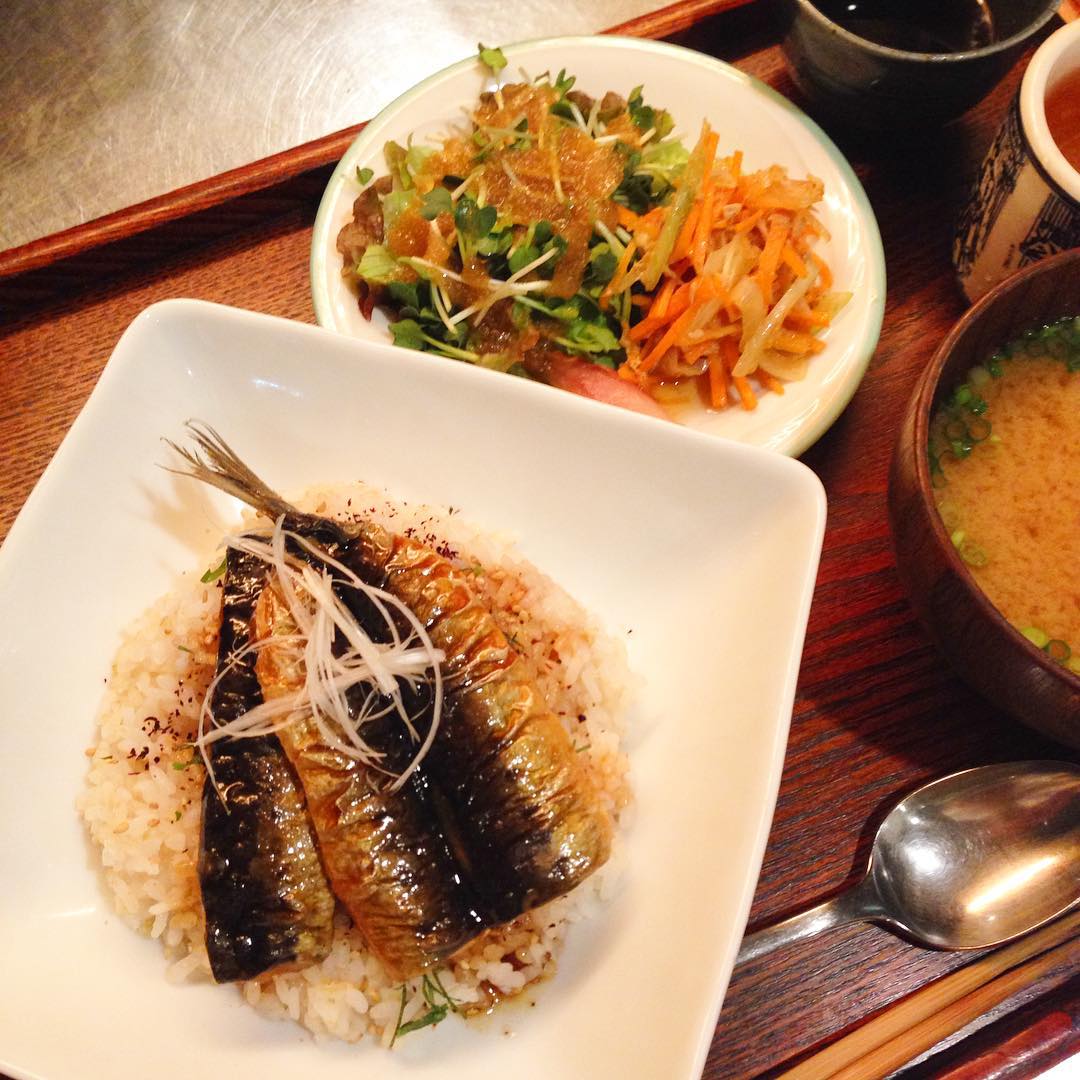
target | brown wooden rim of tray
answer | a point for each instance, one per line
(277, 168)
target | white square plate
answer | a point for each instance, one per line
(706, 550)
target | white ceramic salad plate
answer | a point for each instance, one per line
(598, 498)
(693, 87)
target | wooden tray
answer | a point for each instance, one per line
(876, 713)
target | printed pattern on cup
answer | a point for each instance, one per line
(997, 179)
(1057, 228)
(1014, 215)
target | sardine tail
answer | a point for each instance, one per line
(215, 463)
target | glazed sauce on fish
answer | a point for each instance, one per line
(923, 26)
(1063, 117)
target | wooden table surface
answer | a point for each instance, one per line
(876, 713)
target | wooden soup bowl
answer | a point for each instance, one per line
(985, 650)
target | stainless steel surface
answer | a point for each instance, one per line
(969, 861)
(109, 102)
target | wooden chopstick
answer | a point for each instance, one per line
(923, 1019)
(897, 1052)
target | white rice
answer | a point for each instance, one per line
(142, 800)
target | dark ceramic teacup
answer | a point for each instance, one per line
(873, 86)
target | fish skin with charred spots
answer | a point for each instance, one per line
(267, 902)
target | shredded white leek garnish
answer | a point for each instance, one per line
(591, 122)
(576, 113)
(616, 245)
(438, 298)
(510, 173)
(502, 290)
(320, 616)
(460, 189)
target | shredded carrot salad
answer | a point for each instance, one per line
(741, 295)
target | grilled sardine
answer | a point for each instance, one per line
(266, 898)
(501, 785)
(385, 852)
(531, 821)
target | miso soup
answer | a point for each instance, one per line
(1005, 460)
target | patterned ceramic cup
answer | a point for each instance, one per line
(1026, 202)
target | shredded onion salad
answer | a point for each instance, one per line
(319, 615)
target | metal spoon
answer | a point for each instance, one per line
(969, 861)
